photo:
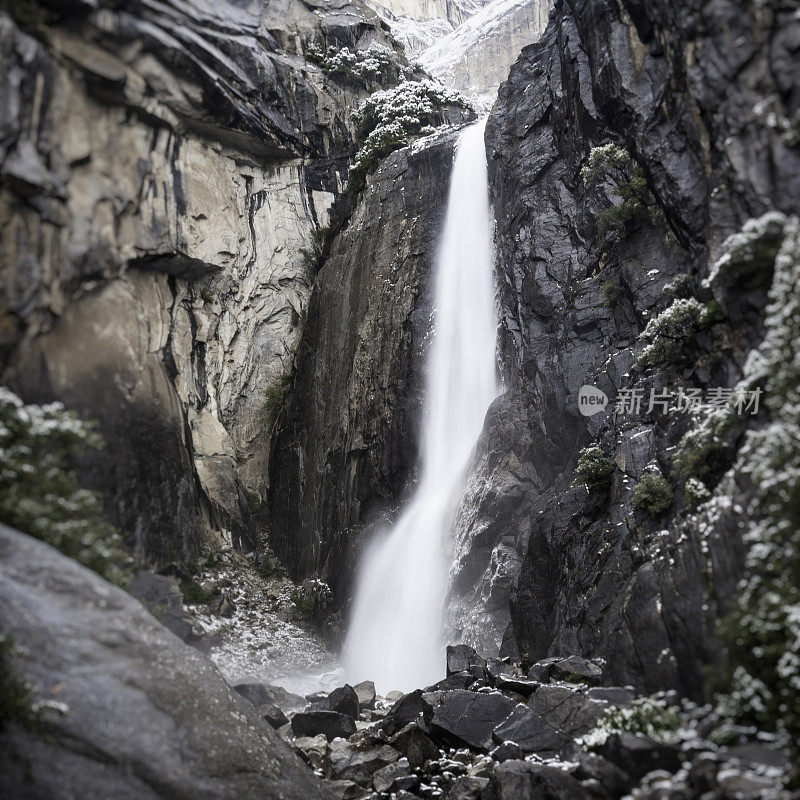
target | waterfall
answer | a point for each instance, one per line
(395, 636)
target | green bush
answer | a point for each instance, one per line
(673, 329)
(194, 594)
(653, 493)
(612, 163)
(594, 469)
(613, 292)
(40, 494)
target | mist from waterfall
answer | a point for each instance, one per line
(395, 637)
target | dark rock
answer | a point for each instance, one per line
(519, 780)
(312, 749)
(414, 744)
(495, 668)
(564, 708)
(615, 782)
(273, 715)
(542, 670)
(347, 790)
(467, 787)
(142, 709)
(365, 691)
(329, 723)
(462, 658)
(637, 754)
(344, 700)
(577, 669)
(530, 732)
(468, 718)
(261, 694)
(522, 686)
(410, 708)
(458, 680)
(385, 778)
(345, 762)
(507, 751)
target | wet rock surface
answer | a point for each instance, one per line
(483, 743)
(130, 711)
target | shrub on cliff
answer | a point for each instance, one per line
(388, 120)
(377, 63)
(594, 470)
(39, 492)
(653, 493)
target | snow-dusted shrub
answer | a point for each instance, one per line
(595, 469)
(695, 492)
(388, 119)
(612, 164)
(763, 631)
(748, 256)
(40, 494)
(670, 331)
(653, 493)
(374, 64)
(654, 716)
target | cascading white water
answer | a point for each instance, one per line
(396, 628)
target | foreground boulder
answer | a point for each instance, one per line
(468, 718)
(142, 715)
(331, 724)
(519, 780)
(262, 694)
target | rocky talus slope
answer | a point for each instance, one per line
(165, 170)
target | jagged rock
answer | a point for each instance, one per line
(394, 696)
(412, 707)
(467, 787)
(507, 751)
(463, 659)
(384, 779)
(329, 723)
(124, 682)
(312, 749)
(468, 718)
(637, 754)
(344, 700)
(458, 680)
(348, 790)
(415, 745)
(615, 782)
(542, 670)
(530, 732)
(273, 715)
(365, 691)
(506, 683)
(260, 694)
(564, 708)
(345, 762)
(519, 780)
(575, 668)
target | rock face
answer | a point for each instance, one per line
(164, 168)
(476, 56)
(707, 132)
(346, 443)
(139, 714)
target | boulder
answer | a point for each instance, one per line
(161, 596)
(468, 718)
(330, 723)
(637, 754)
(531, 732)
(273, 715)
(384, 778)
(614, 781)
(409, 708)
(348, 790)
(577, 669)
(542, 670)
(458, 680)
(414, 744)
(507, 751)
(261, 694)
(523, 686)
(462, 658)
(312, 749)
(365, 692)
(346, 762)
(344, 700)
(143, 715)
(520, 780)
(567, 709)
(467, 787)
(613, 695)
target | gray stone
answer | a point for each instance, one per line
(384, 779)
(468, 718)
(531, 732)
(414, 744)
(467, 787)
(365, 691)
(520, 780)
(260, 694)
(569, 710)
(637, 754)
(143, 715)
(330, 723)
(273, 715)
(345, 762)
